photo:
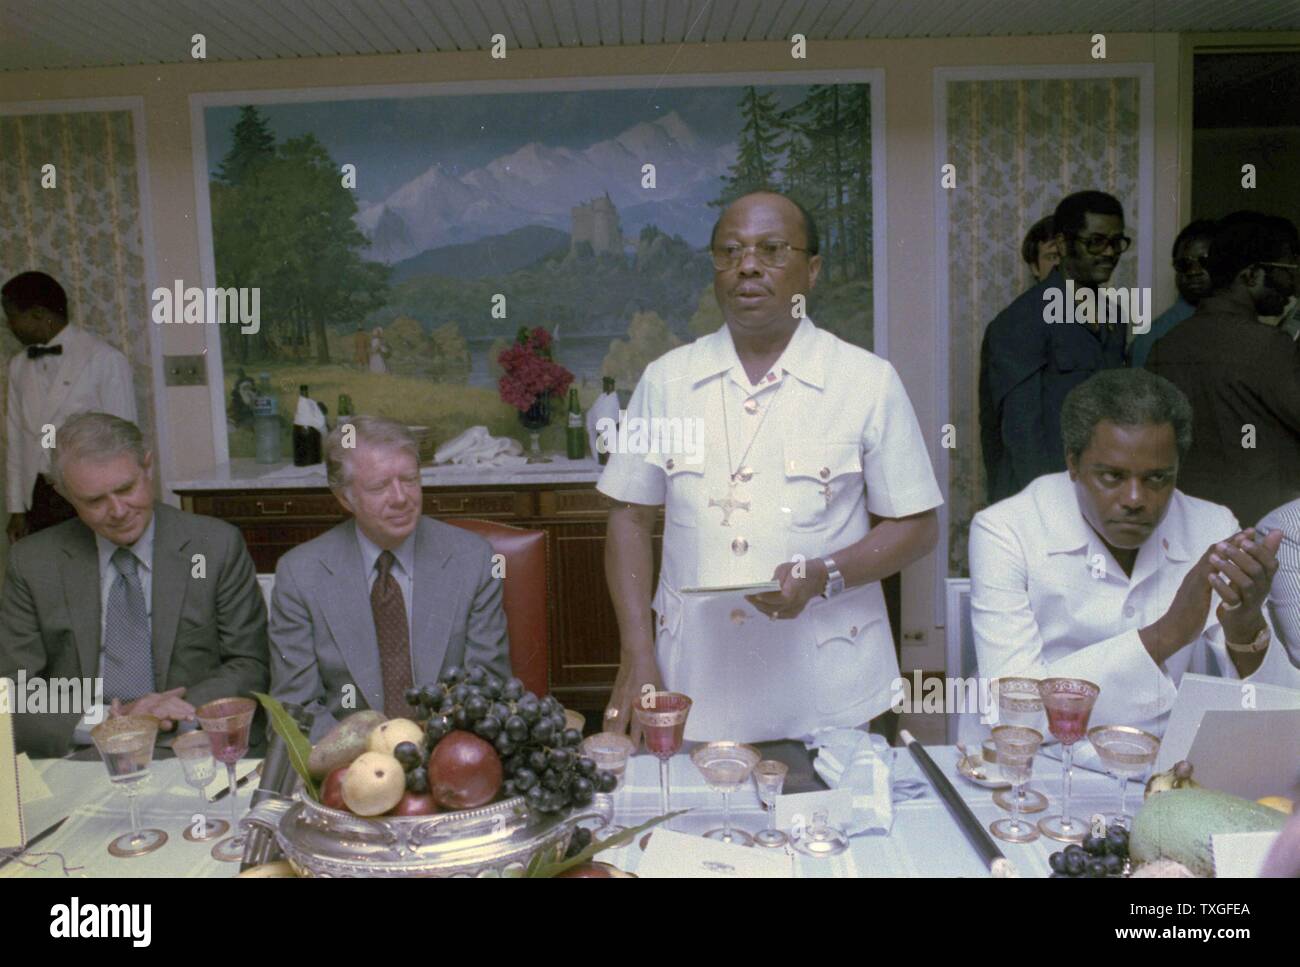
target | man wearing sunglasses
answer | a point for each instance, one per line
(1028, 364)
(1191, 275)
(1242, 377)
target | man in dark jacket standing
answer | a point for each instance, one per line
(1028, 364)
(1242, 377)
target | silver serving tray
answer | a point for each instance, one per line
(495, 840)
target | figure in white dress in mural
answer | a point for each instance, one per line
(379, 351)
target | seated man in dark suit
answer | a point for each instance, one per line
(384, 601)
(160, 605)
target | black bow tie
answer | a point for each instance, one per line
(36, 352)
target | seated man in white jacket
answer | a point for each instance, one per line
(1107, 572)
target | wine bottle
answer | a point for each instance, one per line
(575, 442)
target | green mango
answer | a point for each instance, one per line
(343, 743)
(1178, 825)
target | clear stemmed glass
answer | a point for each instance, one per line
(1126, 753)
(227, 722)
(195, 753)
(663, 723)
(610, 751)
(1069, 703)
(1020, 704)
(1017, 745)
(769, 777)
(125, 743)
(726, 766)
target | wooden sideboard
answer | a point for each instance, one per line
(583, 629)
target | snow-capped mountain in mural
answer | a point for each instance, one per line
(539, 185)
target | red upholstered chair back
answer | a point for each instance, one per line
(524, 596)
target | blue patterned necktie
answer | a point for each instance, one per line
(128, 649)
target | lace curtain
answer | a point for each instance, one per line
(1018, 146)
(85, 231)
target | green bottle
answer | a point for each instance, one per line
(575, 434)
(345, 405)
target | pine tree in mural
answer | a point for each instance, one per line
(758, 155)
(288, 229)
(254, 144)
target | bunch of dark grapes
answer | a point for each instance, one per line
(539, 756)
(1098, 857)
(413, 760)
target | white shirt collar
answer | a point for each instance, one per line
(802, 358)
(405, 553)
(142, 548)
(1067, 529)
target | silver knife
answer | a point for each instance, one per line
(47, 831)
(239, 783)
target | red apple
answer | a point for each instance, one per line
(586, 871)
(415, 804)
(464, 771)
(331, 791)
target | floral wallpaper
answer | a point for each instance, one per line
(84, 230)
(1019, 146)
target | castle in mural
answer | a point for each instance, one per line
(596, 223)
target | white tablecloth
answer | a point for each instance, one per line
(925, 840)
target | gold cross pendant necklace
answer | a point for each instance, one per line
(739, 475)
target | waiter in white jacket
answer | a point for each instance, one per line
(62, 370)
(805, 465)
(1106, 572)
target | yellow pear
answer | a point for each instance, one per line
(373, 784)
(389, 735)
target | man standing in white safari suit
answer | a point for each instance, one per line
(812, 472)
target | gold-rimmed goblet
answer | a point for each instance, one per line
(227, 723)
(769, 777)
(662, 718)
(726, 766)
(1017, 745)
(125, 743)
(1020, 704)
(1127, 753)
(1068, 702)
(194, 750)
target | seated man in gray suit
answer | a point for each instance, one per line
(161, 605)
(385, 601)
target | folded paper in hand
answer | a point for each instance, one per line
(478, 448)
(862, 763)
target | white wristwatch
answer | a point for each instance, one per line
(834, 579)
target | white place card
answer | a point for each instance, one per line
(798, 808)
(1240, 854)
(30, 782)
(12, 834)
(676, 855)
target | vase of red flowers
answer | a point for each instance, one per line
(530, 379)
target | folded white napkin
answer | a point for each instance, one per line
(862, 763)
(309, 414)
(478, 448)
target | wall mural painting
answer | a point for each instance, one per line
(400, 244)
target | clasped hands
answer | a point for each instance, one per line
(166, 706)
(1240, 570)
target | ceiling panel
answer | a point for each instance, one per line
(57, 34)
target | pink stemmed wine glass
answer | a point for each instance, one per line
(1068, 702)
(663, 723)
(227, 723)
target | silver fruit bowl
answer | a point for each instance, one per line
(493, 841)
